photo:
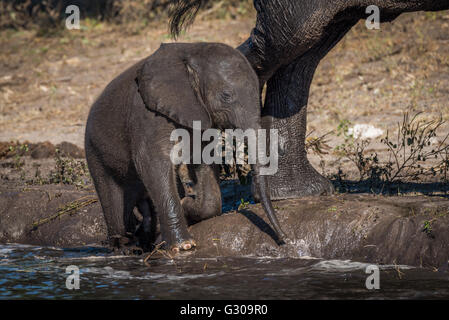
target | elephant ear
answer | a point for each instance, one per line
(168, 83)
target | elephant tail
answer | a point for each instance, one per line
(183, 13)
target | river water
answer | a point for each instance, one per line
(29, 272)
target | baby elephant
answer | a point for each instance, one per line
(128, 131)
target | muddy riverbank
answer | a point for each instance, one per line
(408, 230)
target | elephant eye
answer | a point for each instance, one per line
(227, 96)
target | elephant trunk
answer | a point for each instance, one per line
(261, 183)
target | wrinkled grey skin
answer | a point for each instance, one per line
(128, 145)
(285, 47)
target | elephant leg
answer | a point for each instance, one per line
(285, 109)
(159, 178)
(207, 202)
(111, 196)
(147, 233)
(117, 200)
(288, 79)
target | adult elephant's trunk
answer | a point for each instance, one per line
(262, 186)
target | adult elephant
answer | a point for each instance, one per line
(286, 45)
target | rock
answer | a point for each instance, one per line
(42, 150)
(365, 131)
(383, 230)
(70, 150)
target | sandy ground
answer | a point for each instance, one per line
(47, 84)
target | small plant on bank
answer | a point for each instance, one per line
(409, 152)
(243, 204)
(68, 171)
(427, 228)
(354, 149)
(18, 150)
(414, 144)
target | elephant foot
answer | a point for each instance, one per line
(299, 183)
(125, 246)
(183, 246)
(131, 251)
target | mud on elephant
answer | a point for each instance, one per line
(128, 143)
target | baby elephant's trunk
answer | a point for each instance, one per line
(261, 184)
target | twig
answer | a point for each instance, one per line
(69, 208)
(156, 249)
(400, 273)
